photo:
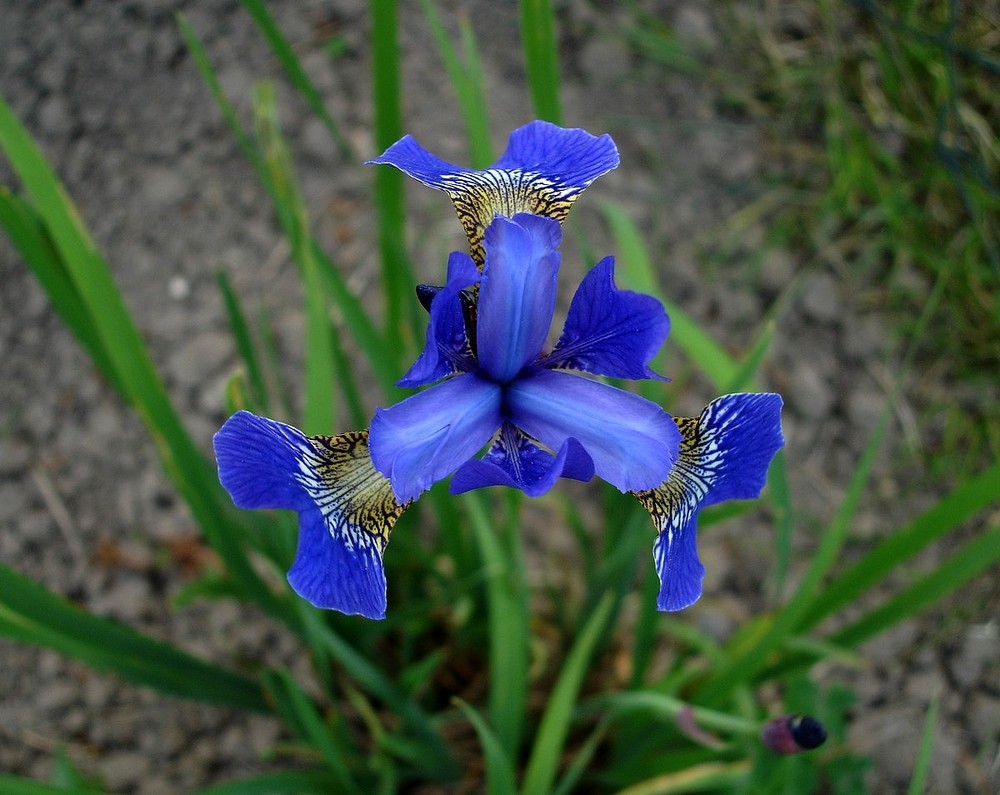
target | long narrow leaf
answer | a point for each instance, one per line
(290, 782)
(499, 772)
(353, 313)
(975, 557)
(467, 79)
(743, 665)
(244, 342)
(320, 375)
(435, 752)
(967, 499)
(923, 762)
(302, 715)
(290, 63)
(15, 785)
(548, 748)
(389, 206)
(27, 231)
(128, 356)
(31, 614)
(508, 628)
(538, 41)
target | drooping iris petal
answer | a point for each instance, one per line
(346, 509)
(426, 437)
(515, 461)
(518, 293)
(632, 441)
(446, 349)
(543, 170)
(724, 455)
(609, 331)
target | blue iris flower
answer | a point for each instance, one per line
(543, 421)
(493, 384)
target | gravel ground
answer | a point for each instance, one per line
(115, 102)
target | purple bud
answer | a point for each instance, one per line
(792, 734)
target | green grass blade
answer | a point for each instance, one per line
(466, 78)
(244, 343)
(541, 50)
(499, 772)
(287, 782)
(301, 714)
(550, 740)
(190, 471)
(353, 313)
(636, 272)
(290, 63)
(664, 707)
(27, 231)
(976, 556)
(923, 762)
(747, 369)
(743, 666)
(435, 753)
(784, 519)
(320, 375)
(208, 74)
(508, 624)
(15, 785)
(397, 281)
(31, 614)
(967, 499)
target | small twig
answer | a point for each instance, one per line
(60, 515)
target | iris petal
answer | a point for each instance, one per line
(517, 462)
(632, 441)
(446, 349)
(518, 293)
(571, 157)
(426, 437)
(609, 331)
(543, 170)
(346, 508)
(724, 454)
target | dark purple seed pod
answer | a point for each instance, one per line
(792, 734)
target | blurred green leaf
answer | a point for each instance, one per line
(466, 78)
(547, 750)
(541, 62)
(31, 614)
(499, 772)
(293, 67)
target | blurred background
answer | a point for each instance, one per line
(829, 168)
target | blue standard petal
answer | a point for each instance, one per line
(724, 454)
(428, 436)
(608, 331)
(518, 293)
(346, 509)
(446, 349)
(632, 441)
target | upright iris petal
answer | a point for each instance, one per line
(518, 293)
(542, 171)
